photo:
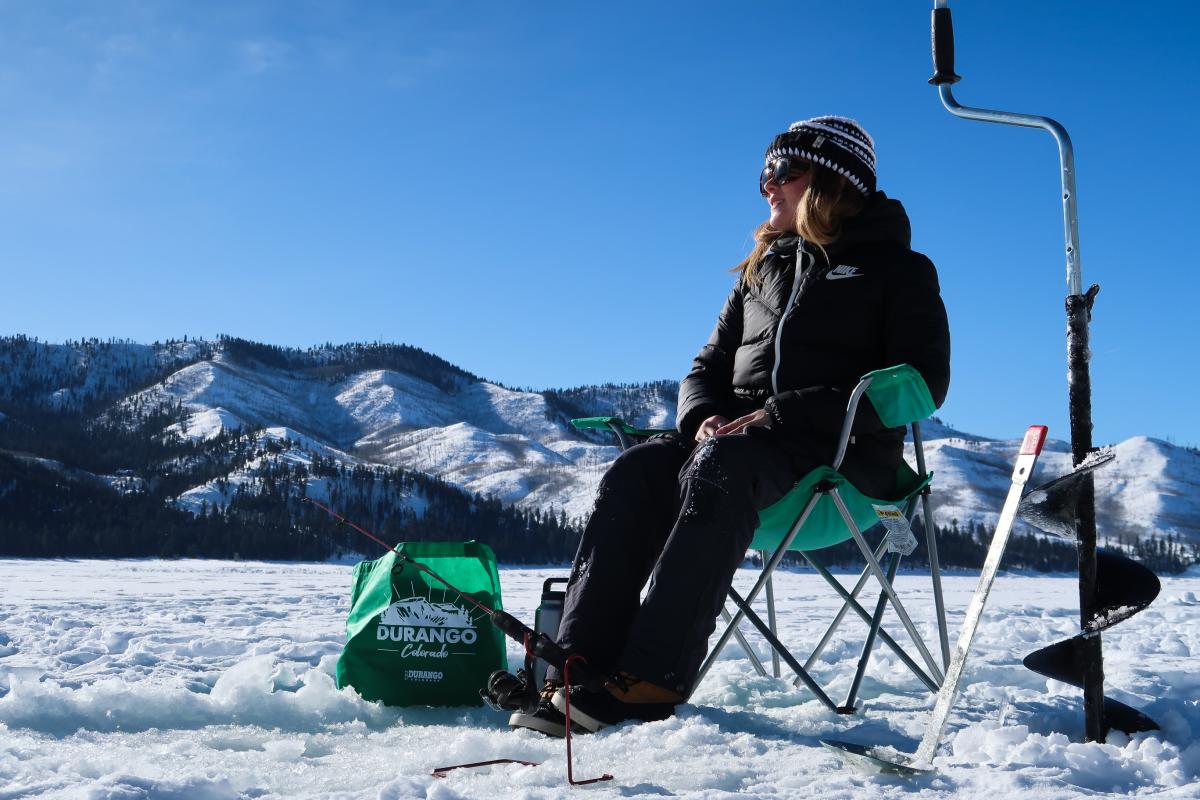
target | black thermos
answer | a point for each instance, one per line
(549, 614)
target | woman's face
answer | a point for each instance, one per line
(785, 201)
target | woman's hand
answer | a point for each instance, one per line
(756, 419)
(710, 427)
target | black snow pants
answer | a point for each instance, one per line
(681, 515)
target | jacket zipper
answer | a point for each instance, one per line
(802, 254)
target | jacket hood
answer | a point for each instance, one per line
(882, 219)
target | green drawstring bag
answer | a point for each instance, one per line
(413, 642)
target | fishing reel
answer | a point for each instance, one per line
(508, 692)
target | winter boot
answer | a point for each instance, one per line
(629, 699)
(545, 718)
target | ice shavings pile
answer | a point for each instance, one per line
(209, 679)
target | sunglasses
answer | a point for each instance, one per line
(781, 170)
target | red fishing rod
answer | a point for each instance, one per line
(505, 690)
(499, 618)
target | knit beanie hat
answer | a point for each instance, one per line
(838, 143)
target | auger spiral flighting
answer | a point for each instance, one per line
(1123, 588)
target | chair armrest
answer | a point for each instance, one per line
(899, 396)
(585, 423)
(621, 429)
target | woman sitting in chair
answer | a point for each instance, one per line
(830, 292)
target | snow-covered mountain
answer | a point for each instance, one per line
(1152, 487)
(480, 436)
(399, 407)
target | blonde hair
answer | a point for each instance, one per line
(826, 204)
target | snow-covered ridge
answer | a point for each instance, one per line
(409, 409)
(68, 375)
(1152, 487)
(123, 482)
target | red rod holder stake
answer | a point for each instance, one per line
(567, 693)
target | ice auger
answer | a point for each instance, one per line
(1086, 655)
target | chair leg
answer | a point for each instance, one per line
(741, 639)
(837, 620)
(917, 641)
(884, 637)
(847, 707)
(771, 615)
(935, 572)
(935, 575)
(777, 646)
(768, 569)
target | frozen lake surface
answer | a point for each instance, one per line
(207, 680)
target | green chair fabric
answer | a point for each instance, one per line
(899, 395)
(824, 526)
(602, 423)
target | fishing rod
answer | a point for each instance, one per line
(504, 690)
(540, 645)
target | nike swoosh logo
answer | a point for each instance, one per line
(842, 272)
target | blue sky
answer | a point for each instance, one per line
(550, 194)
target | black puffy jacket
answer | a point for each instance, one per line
(873, 303)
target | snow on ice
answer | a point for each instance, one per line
(209, 680)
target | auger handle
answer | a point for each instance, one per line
(942, 35)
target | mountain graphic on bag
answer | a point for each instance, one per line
(413, 642)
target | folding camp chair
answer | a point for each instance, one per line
(824, 509)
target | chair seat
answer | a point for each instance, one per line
(824, 526)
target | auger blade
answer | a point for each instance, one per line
(1065, 661)
(1125, 588)
(1051, 507)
